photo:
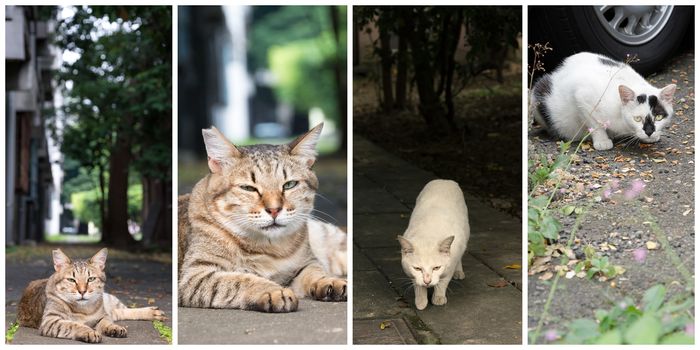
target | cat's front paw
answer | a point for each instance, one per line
(280, 300)
(115, 331)
(421, 303)
(330, 289)
(156, 314)
(458, 275)
(88, 336)
(602, 145)
(439, 299)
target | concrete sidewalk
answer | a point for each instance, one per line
(137, 283)
(385, 188)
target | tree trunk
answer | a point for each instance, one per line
(456, 30)
(385, 57)
(103, 196)
(402, 71)
(117, 232)
(153, 209)
(340, 85)
(429, 102)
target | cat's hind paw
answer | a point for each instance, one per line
(330, 289)
(458, 275)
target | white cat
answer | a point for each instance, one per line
(591, 92)
(435, 240)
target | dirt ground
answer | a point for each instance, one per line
(486, 160)
(616, 228)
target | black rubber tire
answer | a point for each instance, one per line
(573, 29)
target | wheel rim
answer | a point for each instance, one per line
(633, 25)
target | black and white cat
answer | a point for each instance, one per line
(591, 92)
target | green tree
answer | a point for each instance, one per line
(117, 112)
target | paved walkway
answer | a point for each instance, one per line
(385, 189)
(136, 282)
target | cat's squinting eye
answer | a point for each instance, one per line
(659, 117)
(436, 268)
(248, 188)
(91, 279)
(290, 184)
(417, 268)
(71, 280)
(638, 118)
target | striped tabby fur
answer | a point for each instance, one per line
(244, 237)
(72, 303)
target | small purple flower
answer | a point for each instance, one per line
(591, 129)
(640, 255)
(551, 335)
(562, 190)
(606, 124)
(607, 193)
(690, 329)
(635, 189)
(615, 183)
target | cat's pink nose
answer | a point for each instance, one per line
(426, 279)
(273, 212)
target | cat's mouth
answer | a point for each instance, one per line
(272, 226)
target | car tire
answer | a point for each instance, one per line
(573, 29)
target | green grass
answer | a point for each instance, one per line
(10, 334)
(165, 331)
(61, 238)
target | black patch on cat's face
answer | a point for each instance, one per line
(608, 62)
(649, 127)
(642, 98)
(656, 108)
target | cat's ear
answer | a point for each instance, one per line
(60, 259)
(100, 259)
(304, 146)
(406, 245)
(446, 244)
(667, 92)
(626, 94)
(219, 150)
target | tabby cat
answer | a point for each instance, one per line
(244, 230)
(72, 303)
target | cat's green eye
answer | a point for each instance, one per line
(248, 188)
(71, 280)
(417, 268)
(290, 184)
(638, 118)
(436, 268)
(91, 279)
(659, 117)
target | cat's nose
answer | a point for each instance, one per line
(273, 212)
(426, 279)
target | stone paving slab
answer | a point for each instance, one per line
(314, 323)
(395, 331)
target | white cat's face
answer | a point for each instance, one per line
(425, 264)
(647, 115)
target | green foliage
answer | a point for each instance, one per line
(542, 226)
(164, 331)
(10, 334)
(298, 44)
(86, 204)
(655, 321)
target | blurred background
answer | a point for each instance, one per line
(264, 74)
(88, 152)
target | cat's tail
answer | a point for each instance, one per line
(32, 303)
(538, 106)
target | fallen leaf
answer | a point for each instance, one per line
(546, 276)
(151, 301)
(513, 267)
(384, 325)
(652, 245)
(500, 283)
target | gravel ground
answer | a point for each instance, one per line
(615, 228)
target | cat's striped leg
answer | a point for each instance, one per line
(110, 329)
(150, 313)
(212, 288)
(53, 325)
(312, 281)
